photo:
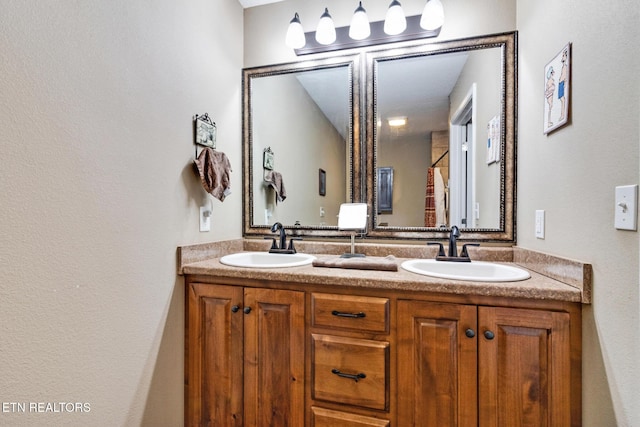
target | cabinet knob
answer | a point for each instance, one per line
(247, 310)
(489, 335)
(235, 309)
(470, 333)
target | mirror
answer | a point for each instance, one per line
(301, 145)
(453, 160)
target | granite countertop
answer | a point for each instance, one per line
(552, 277)
(537, 287)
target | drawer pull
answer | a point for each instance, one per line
(352, 315)
(355, 377)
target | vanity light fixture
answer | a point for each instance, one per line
(359, 28)
(395, 28)
(295, 34)
(326, 32)
(432, 15)
(395, 21)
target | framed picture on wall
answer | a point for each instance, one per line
(205, 131)
(557, 90)
(322, 182)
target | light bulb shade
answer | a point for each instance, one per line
(326, 32)
(395, 21)
(295, 34)
(359, 28)
(432, 15)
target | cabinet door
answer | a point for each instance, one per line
(274, 358)
(214, 356)
(524, 367)
(437, 375)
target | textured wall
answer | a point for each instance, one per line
(572, 173)
(97, 191)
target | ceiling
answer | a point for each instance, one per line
(417, 88)
(250, 3)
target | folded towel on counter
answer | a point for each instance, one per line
(387, 263)
(275, 181)
(215, 172)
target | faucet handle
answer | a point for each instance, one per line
(273, 242)
(291, 248)
(440, 250)
(464, 253)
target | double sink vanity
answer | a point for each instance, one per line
(272, 340)
(302, 340)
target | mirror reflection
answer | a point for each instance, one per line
(421, 94)
(442, 138)
(300, 144)
(452, 162)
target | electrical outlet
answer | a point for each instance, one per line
(540, 224)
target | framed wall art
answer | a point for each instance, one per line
(322, 182)
(205, 131)
(557, 90)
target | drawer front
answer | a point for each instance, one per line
(350, 371)
(321, 417)
(367, 314)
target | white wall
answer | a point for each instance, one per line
(96, 192)
(572, 173)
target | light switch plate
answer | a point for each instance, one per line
(540, 224)
(626, 216)
(205, 218)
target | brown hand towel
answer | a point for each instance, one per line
(387, 263)
(214, 169)
(274, 179)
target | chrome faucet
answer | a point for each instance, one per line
(453, 238)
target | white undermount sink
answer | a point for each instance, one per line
(266, 260)
(476, 271)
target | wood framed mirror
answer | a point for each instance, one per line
(455, 157)
(307, 116)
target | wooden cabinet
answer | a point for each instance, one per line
(437, 375)
(245, 356)
(486, 366)
(263, 353)
(524, 368)
(350, 381)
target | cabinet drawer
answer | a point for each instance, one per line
(367, 314)
(350, 371)
(321, 417)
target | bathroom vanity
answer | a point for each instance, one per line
(308, 346)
